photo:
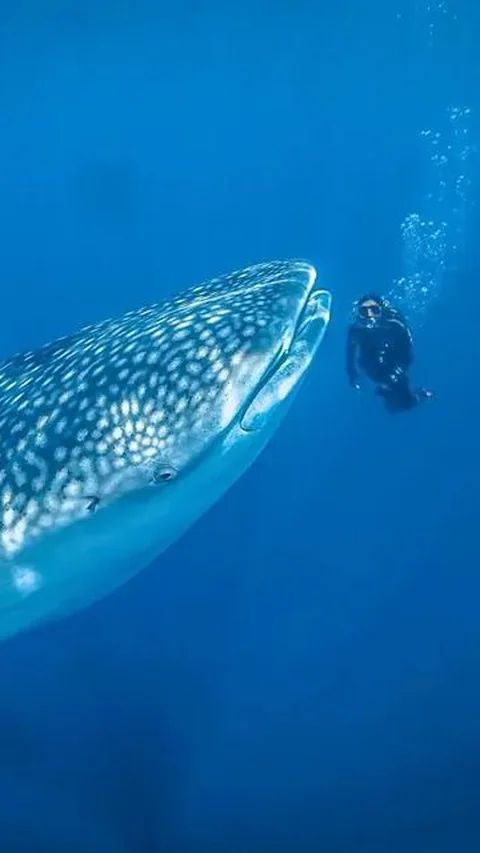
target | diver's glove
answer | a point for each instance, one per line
(423, 394)
(353, 380)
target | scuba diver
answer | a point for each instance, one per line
(380, 343)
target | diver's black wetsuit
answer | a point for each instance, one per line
(385, 353)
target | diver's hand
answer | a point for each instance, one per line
(354, 383)
(423, 394)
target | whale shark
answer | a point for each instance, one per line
(117, 438)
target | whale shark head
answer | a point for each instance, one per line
(116, 439)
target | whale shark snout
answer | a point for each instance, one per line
(114, 440)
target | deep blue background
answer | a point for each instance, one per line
(300, 672)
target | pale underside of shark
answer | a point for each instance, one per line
(114, 440)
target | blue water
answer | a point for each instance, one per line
(300, 672)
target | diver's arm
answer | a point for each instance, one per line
(352, 343)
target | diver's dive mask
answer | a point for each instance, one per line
(369, 311)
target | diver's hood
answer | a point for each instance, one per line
(373, 297)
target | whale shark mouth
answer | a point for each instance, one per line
(291, 362)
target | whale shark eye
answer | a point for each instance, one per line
(164, 474)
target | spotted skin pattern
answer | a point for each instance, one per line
(127, 401)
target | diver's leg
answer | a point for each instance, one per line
(398, 395)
